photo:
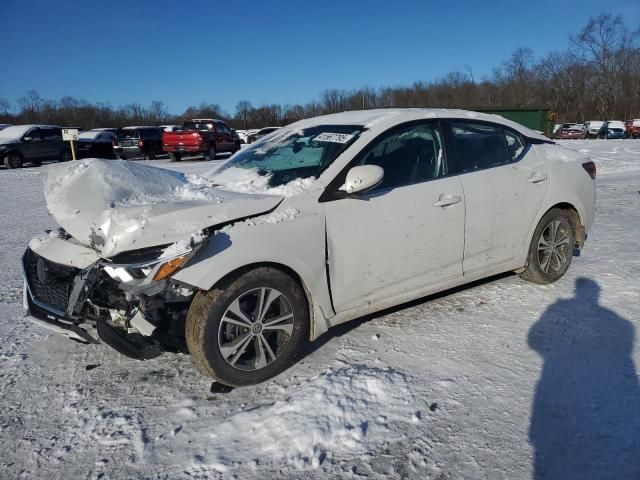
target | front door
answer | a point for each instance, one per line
(404, 235)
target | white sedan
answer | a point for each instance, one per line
(323, 221)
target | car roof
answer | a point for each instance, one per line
(33, 125)
(382, 119)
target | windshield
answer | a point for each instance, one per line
(292, 154)
(14, 132)
(89, 135)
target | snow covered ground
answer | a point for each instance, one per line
(482, 382)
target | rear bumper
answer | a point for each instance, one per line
(184, 148)
(128, 152)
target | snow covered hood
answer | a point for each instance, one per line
(117, 205)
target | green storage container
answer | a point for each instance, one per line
(536, 118)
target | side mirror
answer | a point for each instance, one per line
(27, 139)
(363, 178)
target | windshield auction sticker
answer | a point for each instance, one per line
(333, 137)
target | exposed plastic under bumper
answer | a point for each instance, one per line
(71, 331)
(133, 346)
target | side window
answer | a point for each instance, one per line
(35, 134)
(51, 134)
(408, 155)
(515, 144)
(477, 146)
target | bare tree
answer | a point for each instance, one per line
(243, 108)
(606, 44)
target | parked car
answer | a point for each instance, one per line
(261, 133)
(570, 131)
(206, 136)
(20, 144)
(113, 130)
(278, 248)
(633, 128)
(613, 129)
(145, 142)
(592, 128)
(95, 144)
(242, 135)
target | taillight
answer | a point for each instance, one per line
(590, 168)
(140, 143)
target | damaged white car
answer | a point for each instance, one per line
(321, 222)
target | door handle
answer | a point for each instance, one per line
(537, 177)
(446, 200)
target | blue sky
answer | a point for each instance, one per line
(183, 53)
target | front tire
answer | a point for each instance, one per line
(249, 328)
(13, 160)
(551, 248)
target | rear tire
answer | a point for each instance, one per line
(551, 248)
(223, 348)
(211, 153)
(175, 157)
(13, 160)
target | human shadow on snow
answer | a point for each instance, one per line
(585, 421)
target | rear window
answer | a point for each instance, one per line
(198, 126)
(128, 133)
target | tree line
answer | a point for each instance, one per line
(597, 76)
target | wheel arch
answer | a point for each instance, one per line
(577, 223)
(315, 316)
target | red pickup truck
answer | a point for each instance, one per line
(200, 136)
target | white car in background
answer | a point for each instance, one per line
(592, 128)
(243, 135)
(327, 220)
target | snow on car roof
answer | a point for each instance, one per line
(16, 131)
(381, 119)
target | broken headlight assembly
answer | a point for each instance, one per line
(145, 270)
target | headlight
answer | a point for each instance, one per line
(146, 271)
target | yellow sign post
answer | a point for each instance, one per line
(70, 135)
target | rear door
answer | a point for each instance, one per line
(504, 182)
(224, 137)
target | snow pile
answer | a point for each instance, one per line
(341, 410)
(42, 239)
(275, 217)
(243, 180)
(182, 246)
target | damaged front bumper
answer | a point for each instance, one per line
(122, 305)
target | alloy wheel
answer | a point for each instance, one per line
(255, 329)
(554, 249)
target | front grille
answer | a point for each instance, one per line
(53, 286)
